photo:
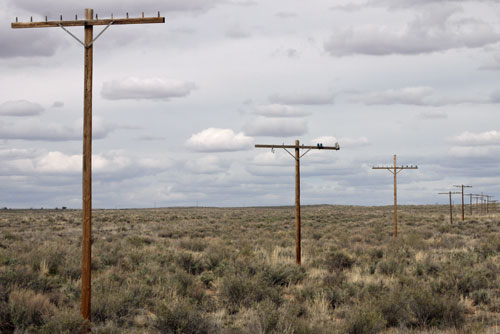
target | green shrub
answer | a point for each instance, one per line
(364, 320)
(65, 322)
(338, 260)
(182, 318)
(480, 297)
(189, 263)
(29, 309)
(429, 309)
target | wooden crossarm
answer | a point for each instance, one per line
(78, 23)
(302, 147)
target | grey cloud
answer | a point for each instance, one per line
(286, 15)
(58, 104)
(433, 114)
(28, 43)
(237, 32)
(434, 29)
(38, 130)
(279, 110)
(146, 88)
(20, 108)
(276, 127)
(304, 99)
(476, 139)
(420, 96)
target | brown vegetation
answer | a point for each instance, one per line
(207, 270)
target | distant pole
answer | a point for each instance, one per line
(463, 205)
(395, 200)
(298, 239)
(297, 156)
(451, 205)
(395, 170)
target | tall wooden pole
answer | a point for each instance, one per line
(298, 257)
(297, 156)
(463, 200)
(470, 204)
(87, 169)
(395, 200)
(449, 193)
(451, 211)
(395, 169)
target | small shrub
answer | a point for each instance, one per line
(338, 260)
(364, 320)
(182, 318)
(480, 297)
(65, 322)
(29, 308)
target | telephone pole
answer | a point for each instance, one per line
(297, 158)
(463, 206)
(488, 202)
(395, 170)
(451, 205)
(470, 202)
(88, 24)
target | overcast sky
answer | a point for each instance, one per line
(178, 107)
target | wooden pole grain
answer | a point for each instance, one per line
(298, 254)
(87, 170)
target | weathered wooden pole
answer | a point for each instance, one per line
(298, 254)
(297, 156)
(394, 169)
(88, 23)
(395, 200)
(463, 201)
(451, 205)
(87, 169)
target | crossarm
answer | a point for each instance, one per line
(302, 147)
(76, 23)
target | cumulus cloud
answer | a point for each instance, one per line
(20, 108)
(276, 127)
(343, 141)
(279, 110)
(303, 98)
(419, 96)
(476, 139)
(219, 140)
(146, 88)
(434, 29)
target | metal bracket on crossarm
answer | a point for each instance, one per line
(92, 42)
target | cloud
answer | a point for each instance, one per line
(20, 108)
(476, 139)
(433, 29)
(219, 140)
(148, 137)
(38, 130)
(276, 127)
(279, 110)
(304, 99)
(209, 164)
(28, 43)
(145, 88)
(237, 32)
(58, 104)
(484, 152)
(344, 142)
(420, 96)
(286, 15)
(433, 114)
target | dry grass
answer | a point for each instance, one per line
(209, 270)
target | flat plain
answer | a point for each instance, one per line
(232, 270)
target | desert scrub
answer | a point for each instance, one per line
(364, 319)
(182, 317)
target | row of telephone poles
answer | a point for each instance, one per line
(483, 202)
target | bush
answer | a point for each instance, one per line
(65, 322)
(338, 260)
(182, 318)
(480, 297)
(29, 309)
(364, 320)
